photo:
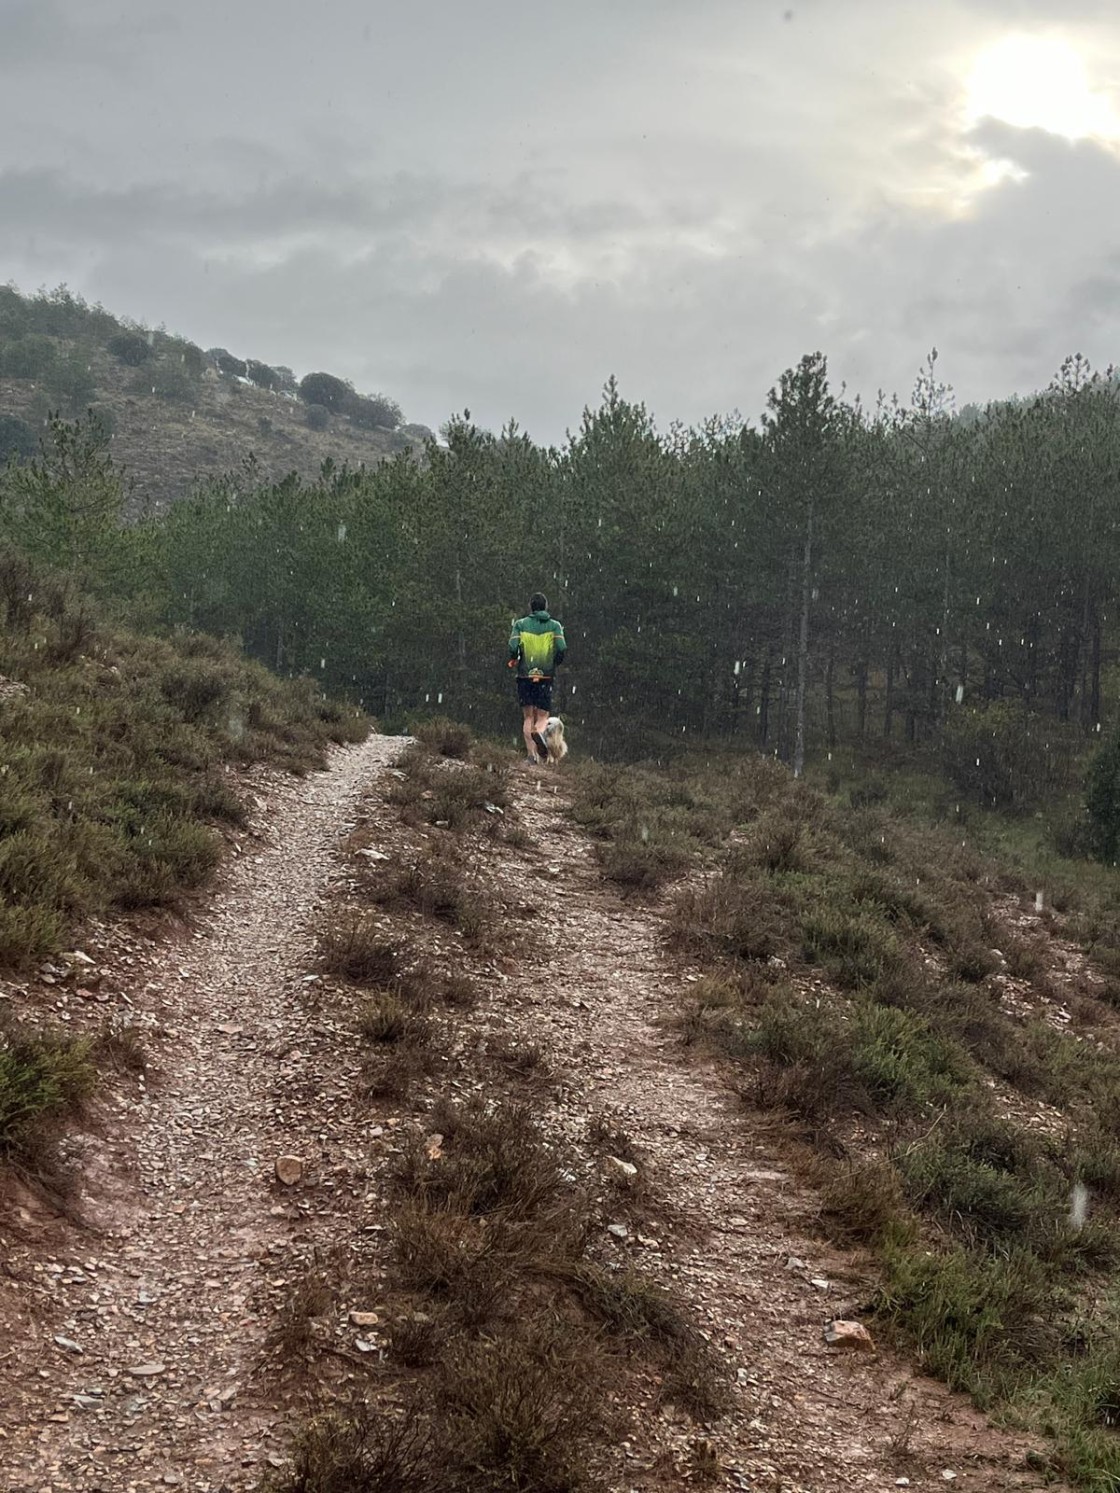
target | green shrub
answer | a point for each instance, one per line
(1005, 757)
(42, 1075)
(982, 1322)
(130, 348)
(856, 948)
(28, 357)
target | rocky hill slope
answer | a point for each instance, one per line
(168, 446)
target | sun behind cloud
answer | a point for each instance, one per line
(1040, 82)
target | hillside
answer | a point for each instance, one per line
(175, 418)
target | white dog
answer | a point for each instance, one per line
(554, 739)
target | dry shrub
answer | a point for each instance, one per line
(493, 1161)
(454, 795)
(362, 1449)
(392, 1072)
(630, 1304)
(449, 1256)
(386, 1020)
(860, 1200)
(355, 948)
(44, 1076)
(291, 1338)
(438, 889)
(418, 1339)
(524, 1060)
(519, 1413)
(425, 986)
(734, 918)
(444, 738)
(692, 1381)
(644, 864)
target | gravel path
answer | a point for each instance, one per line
(146, 1382)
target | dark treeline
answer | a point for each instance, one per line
(870, 574)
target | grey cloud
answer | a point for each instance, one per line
(500, 205)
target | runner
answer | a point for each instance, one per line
(536, 647)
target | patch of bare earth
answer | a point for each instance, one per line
(246, 1302)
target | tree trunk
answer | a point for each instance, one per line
(764, 700)
(861, 696)
(888, 708)
(803, 646)
(829, 698)
(462, 640)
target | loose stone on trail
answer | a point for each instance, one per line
(289, 1170)
(841, 1334)
(625, 1171)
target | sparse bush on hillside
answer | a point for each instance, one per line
(323, 388)
(965, 1199)
(374, 412)
(131, 348)
(318, 417)
(231, 366)
(262, 375)
(444, 737)
(42, 1076)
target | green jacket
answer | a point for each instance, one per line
(537, 643)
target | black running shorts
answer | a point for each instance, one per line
(535, 692)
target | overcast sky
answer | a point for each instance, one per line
(496, 205)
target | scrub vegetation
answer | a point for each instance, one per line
(881, 982)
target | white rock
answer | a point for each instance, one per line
(625, 1171)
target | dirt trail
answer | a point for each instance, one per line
(162, 1304)
(808, 1419)
(187, 1278)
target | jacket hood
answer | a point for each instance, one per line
(543, 616)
